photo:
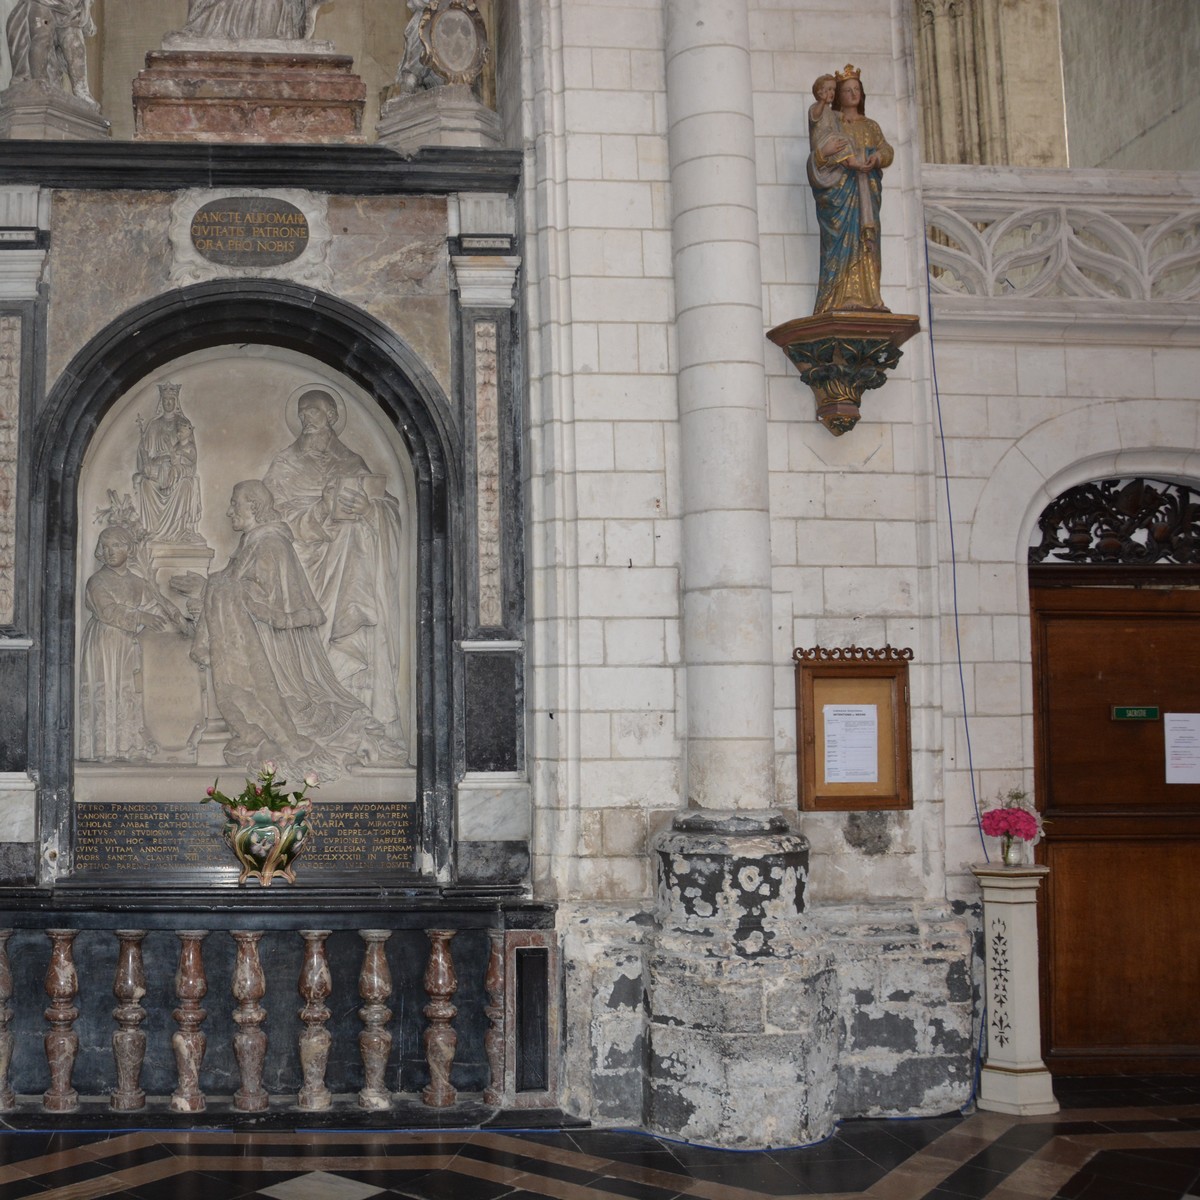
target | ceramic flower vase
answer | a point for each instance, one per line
(267, 843)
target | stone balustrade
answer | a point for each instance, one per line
(1054, 248)
(206, 1017)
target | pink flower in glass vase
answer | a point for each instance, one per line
(1011, 822)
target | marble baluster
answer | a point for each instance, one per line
(314, 987)
(189, 1041)
(493, 1040)
(440, 1038)
(61, 1040)
(128, 1040)
(374, 1042)
(250, 1040)
(8, 1100)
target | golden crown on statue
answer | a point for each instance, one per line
(848, 72)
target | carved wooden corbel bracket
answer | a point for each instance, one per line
(840, 355)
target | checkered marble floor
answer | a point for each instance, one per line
(1144, 1148)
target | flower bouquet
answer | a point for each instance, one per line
(1012, 821)
(266, 825)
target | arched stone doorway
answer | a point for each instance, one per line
(1115, 613)
(286, 320)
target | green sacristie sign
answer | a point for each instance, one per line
(1134, 712)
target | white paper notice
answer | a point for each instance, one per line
(851, 743)
(1182, 733)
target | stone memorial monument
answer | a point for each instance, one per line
(248, 72)
(434, 101)
(46, 45)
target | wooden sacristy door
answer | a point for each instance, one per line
(1121, 907)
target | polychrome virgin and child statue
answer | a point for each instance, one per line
(845, 169)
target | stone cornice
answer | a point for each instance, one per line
(358, 170)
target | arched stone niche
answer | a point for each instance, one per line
(241, 356)
(155, 495)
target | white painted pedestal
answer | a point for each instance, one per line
(1014, 1078)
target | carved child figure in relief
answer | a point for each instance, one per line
(121, 606)
(46, 43)
(824, 126)
(845, 169)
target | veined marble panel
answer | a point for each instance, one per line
(113, 250)
(493, 811)
(487, 473)
(18, 807)
(10, 407)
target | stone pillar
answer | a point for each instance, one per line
(722, 406)
(990, 80)
(743, 999)
(1014, 1078)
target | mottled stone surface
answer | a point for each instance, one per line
(231, 96)
(905, 1009)
(389, 256)
(605, 1048)
(109, 251)
(112, 250)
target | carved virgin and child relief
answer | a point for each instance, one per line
(252, 598)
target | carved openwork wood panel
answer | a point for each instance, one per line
(1137, 522)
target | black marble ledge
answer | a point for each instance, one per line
(312, 906)
(169, 166)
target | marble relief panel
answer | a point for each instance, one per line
(246, 579)
(112, 250)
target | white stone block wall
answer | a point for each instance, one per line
(852, 519)
(604, 736)
(1025, 421)
(853, 539)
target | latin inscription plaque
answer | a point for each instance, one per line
(159, 839)
(249, 231)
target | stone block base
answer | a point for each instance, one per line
(33, 112)
(444, 116)
(742, 1052)
(229, 96)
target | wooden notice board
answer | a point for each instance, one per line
(852, 728)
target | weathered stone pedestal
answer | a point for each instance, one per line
(37, 112)
(743, 1007)
(218, 95)
(1014, 1078)
(444, 116)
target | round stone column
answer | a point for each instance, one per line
(722, 406)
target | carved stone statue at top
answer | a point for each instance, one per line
(252, 20)
(168, 490)
(845, 169)
(46, 44)
(445, 42)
